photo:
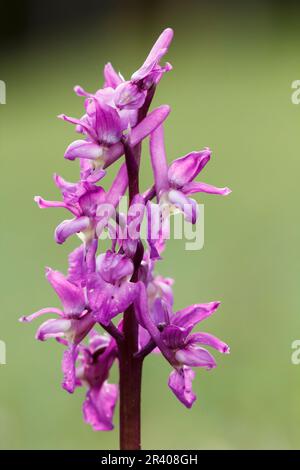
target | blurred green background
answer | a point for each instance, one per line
(230, 90)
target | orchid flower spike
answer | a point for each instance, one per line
(115, 308)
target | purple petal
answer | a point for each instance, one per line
(83, 149)
(106, 122)
(159, 160)
(44, 204)
(164, 285)
(190, 316)
(99, 406)
(129, 96)
(91, 250)
(195, 187)
(185, 169)
(99, 295)
(82, 124)
(149, 124)
(70, 227)
(113, 153)
(95, 176)
(91, 199)
(111, 77)
(158, 50)
(160, 313)
(180, 382)
(71, 296)
(63, 185)
(81, 327)
(81, 91)
(108, 300)
(174, 337)
(138, 133)
(113, 267)
(158, 227)
(123, 297)
(77, 266)
(135, 217)
(209, 340)
(194, 356)
(43, 311)
(118, 187)
(68, 368)
(53, 329)
(186, 205)
(145, 320)
(141, 308)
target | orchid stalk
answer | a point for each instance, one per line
(115, 308)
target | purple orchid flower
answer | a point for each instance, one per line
(104, 132)
(95, 361)
(132, 94)
(114, 109)
(173, 184)
(83, 200)
(159, 288)
(109, 289)
(172, 333)
(75, 320)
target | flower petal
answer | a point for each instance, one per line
(82, 125)
(180, 382)
(128, 95)
(111, 77)
(44, 204)
(183, 170)
(53, 329)
(149, 124)
(159, 160)
(68, 368)
(209, 340)
(77, 266)
(99, 406)
(186, 205)
(70, 227)
(195, 187)
(194, 356)
(122, 298)
(158, 50)
(84, 149)
(118, 186)
(71, 296)
(190, 316)
(160, 312)
(174, 337)
(113, 267)
(138, 133)
(43, 311)
(106, 122)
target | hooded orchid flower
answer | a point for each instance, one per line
(109, 289)
(95, 362)
(83, 200)
(132, 94)
(174, 184)
(104, 128)
(114, 109)
(172, 333)
(74, 320)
